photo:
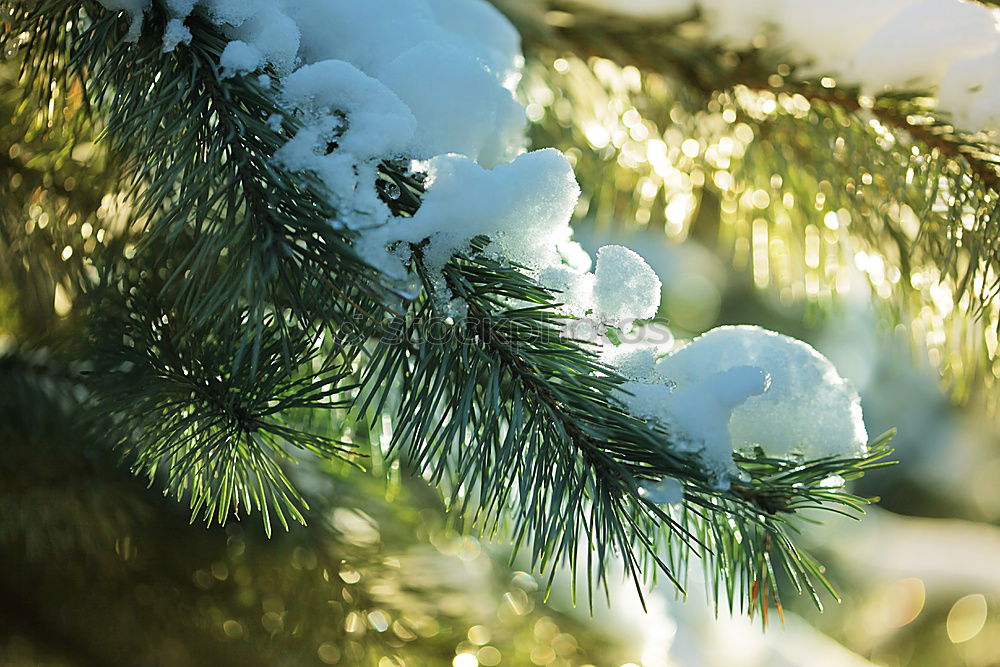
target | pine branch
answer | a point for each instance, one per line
(519, 422)
(263, 236)
(210, 337)
(237, 272)
(187, 408)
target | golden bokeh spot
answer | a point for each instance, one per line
(966, 618)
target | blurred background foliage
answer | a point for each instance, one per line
(795, 179)
(754, 205)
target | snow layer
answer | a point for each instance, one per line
(737, 388)
(971, 89)
(379, 124)
(635, 357)
(239, 58)
(481, 119)
(421, 79)
(429, 80)
(878, 45)
(456, 73)
(916, 46)
(523, 206)
(180, 7)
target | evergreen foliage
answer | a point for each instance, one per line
(222, 325)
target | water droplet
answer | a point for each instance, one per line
(524, 581)
(832, 482)
(666, 491)
(391, 190)
(409, 289)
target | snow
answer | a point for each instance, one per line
(700, 411)
(458, 86)
(180, 8)
(971, 89)
(428, 80)
(635, 356)
(644, 8)
(736, 22)
(622, 289)
(232, 12)
(175, 33)
(524, 206)
(461, 108)
(263, 25)
(819, 34)
(703, 409)
(379, 124)
(479, 27)
(625, 287)
(574, 256)
(804, 408)
(360, 118)
(350, 31)
(239, 58)
(739, 388)
(914, 49)
(368, 34)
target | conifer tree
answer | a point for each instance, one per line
(233, 266)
